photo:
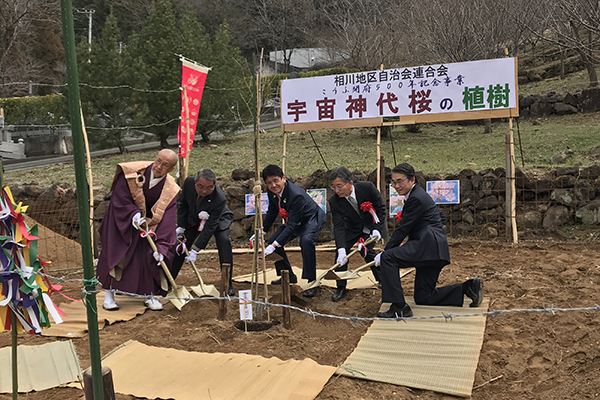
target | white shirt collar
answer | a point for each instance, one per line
(154, 181)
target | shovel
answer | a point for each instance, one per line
(343, 275)
(180, 293)
(202, 289)
(330, 272)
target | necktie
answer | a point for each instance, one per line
(353, 203)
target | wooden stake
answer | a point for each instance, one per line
(223, 290)
(286, 299)
(284, 151)
(379, 152)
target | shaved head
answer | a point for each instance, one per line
(164, 163)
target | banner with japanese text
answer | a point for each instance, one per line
(398, 92)
(193, 77)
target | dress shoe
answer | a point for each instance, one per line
(309, 292)
(231, 291)
(339, 294)
(396, 312)
(293, 279)
(109, 302)
(153, 304)
(475, 292)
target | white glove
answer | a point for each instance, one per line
(375, 234)
(137, 220)
(270, 249)
(378, 259)
(158, 257)
(341, 256)
(180, 232)
(192, 257)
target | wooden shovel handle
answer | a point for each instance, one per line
(187, 253)
(162, 263)
(353, 252)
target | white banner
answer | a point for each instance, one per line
(430, 89)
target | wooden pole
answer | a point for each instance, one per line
(513, 188)
(286, 299)
(225, 267)
(88, 165)
(284, 151)
(379, 152)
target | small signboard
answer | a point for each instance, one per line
(444, 192)
(251, 206)
(320, 197)
(396, 202)
(245, 305)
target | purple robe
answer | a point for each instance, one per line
(122, 242)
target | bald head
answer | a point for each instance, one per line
(164, 163)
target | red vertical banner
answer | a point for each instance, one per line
(193, 77)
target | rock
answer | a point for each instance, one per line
(564, 196)
(584, 190)
(559, 158)
(589, 214)
(567, 171)
(553, 97)
(533, 76)
(236, 230)
(467, 217)
(489, 232)
(564, 181)
(242, 174)
(564, 109)
(571, 100)
(529, 219)
(540, 109)
(526, 102)
(521, 179)
(358, 176)
(591, 172)
(590, 100)
(458, 230)
(556, 217)
(235, 192)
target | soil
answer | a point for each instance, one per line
(524, 355)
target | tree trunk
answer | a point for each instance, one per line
(487, 123)
(562, 64)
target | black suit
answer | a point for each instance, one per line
(189, 205)
(426, 249)
(350, 226)
(305, 220)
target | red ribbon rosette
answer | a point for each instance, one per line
(284, 215)
(399, 216)
(362, 248)
(181, 247)
(148, 232)
(367, 206)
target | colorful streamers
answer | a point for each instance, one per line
(22, 289)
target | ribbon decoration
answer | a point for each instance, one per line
(24, 290)
(367, 206)
(150, 232)
(362, 248)
(204, 216)
(181, 247)
(398, 216)
(284, 214)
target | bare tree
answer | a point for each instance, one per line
(370, 32)
(574, 25)
(26, 28)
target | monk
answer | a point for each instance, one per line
(143, 197)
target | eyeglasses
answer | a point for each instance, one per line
(202, 187)
(398, 181)
(159, 164)
(335, 188)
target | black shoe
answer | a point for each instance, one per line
(309, 292)
(475, 292)
(395, 312)
(339, 294)
(293, 279)
(231, 291)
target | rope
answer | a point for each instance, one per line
(319, 150)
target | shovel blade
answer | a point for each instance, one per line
(182, 297)
(311, 285)
(334, 275)
(344, 275)
(205, 290)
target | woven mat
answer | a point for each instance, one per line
(431, 354)
(365, 281)
(40, 367)
(184, 375)
(75, 323)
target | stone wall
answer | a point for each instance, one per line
(539, 105)
(560, 197)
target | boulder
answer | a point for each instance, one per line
(529, 219)
(242, 174)
(486, 203)
(540, 109)
(526, 102)
(590, 100)
(567, 171)
(564, 109)
(589, 214)
(556, 217)
(564, 181)
(571, 100)
(591, 172)
(237, 231)
(559, 158)
(564, 196)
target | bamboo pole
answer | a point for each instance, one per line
(379, 152)
(284, 151)
(82, 196)
(512, 181)
(88, 165)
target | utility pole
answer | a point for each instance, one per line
(89, 13)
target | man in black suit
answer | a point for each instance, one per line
(302, 218)
(357, 212)
(426, 249)
(201, 213)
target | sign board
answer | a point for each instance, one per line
(444, 192)
(438, 92)
(320, 197)
(245, 305)
(250, 205)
